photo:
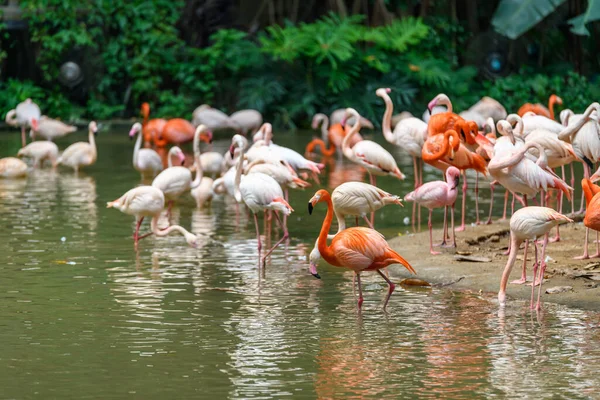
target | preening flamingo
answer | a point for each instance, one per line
(23, 116)
(529, 223)
(81, 154)
(148, 201)
(11, 167)
(369, 155)
(259, 192)
(151, 128)
(40, 151)
(339, 115)
(174, 181)
(146, 161)
(50, 129)
(437, 194)
(247, 121)
(540, 109)
(359, 249)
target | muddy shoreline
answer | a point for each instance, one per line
(488, 242)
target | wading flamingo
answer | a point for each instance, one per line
(40, 151)
(175, 131)
(81, 154)
(369, 155)
(212, 161)
(356, 199)
(592, 214)
(148, 201)
(11, 167)
(259, 192)
(146, 161)
(530, 223)
(437, 194)
(174, 181)
(50, 129)
(22, 116)
(359, 249)
(332, 135)
(151, 128)
(540, 109)
(203, 192)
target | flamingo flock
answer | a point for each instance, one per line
(528, 159)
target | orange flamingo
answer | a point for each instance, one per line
(540, 109)
(151, 128)
(334, 135)
(176, 131)
(437, 153)
(359, 249)
(441, 122)
(592, 213)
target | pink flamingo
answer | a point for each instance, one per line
(437, 194)
(369, 155)
(23, 116)
(148, 201)
(530, 223)
(145, 161)
(40, 151)
(259, 192)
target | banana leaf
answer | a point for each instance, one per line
(515, 17)
(591, 14)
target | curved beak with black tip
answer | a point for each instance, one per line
(310, 207)
(313, 271)
(231, 151)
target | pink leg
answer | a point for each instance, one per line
(445, 229)
(170, 205)
(23, 137)
(414, 208)
(477, 221)
(597, 247)
(512, 205)
(360, 295)
(390, 290)
(464, 203)
(286, 194)
(420, 183)
(431, 235)
(505, 205)
(542, 270)
(524, 269)
(585, 255)
(259, 244)
(368, 222)
(535, 270)
(137, 230)
(489, 220)
(285, 236)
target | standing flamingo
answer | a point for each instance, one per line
(369, 155)
(259, 192)
(437, 194)
(540, 109)
(176, 131)
(592, 203)
(332, 135)
(81, 154)
(11, 167)
(145, 161)
(39, 152)
(50, 129)
(23, 116)
(530, 223)
(148, 201)
(359, 249)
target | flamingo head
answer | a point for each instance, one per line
(239, 142)
(453, 176)
(206, 137)
(93, 127)
(317, 118)
(381, 92)
(176, 151)
(321, 195)
(191, 239)
(145, 109)
(137, 127)
(555, 99)
(314, 258)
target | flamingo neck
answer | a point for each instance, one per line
(324, 150)
(92, 141)
(325, 128)
(168, 230)
(512, 257)
(551, 103)
(445, 102)
(346, 149)
(387, 119)
(569, 131)
(136, 148)
(170, 157)
(199, 172)
(238, 177)
(325, 250)
(443, 148)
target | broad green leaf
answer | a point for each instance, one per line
(515, 17)
(591, 14)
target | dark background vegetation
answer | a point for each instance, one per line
(291, 58)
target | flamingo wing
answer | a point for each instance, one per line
(373, 155)
(358, 248)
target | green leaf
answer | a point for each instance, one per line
(398, 35)
(515, 17)
(591, 14)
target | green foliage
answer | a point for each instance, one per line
(515, 17)
(592, 13)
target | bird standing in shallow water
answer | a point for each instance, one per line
(359, 249)
(526, 224)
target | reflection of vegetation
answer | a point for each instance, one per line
(134, 53)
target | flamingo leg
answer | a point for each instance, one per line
(597, 247)
(431, 235)
(368, 222)
(258, 238)
(445, 230)
(573, 186)
(360, 295)
(535, 270)
(169, 210)
(464, 203)
(285, 236)
(137, 230)
(477, 222)
(542, 270)
(524, 269)
(505, 205)
(420, 183)
(23, 137)
(286, 194)
(585, 254)
(390, 290)
(356, 218)
(453, 230)
(414, 209)
(512, 205)
(489, 220)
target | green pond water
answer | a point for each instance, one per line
(88, 316)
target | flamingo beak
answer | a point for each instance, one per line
(231, 151)
(182, 158)
(596, 176)
(310, 208)
(558, 100)
(313, 270)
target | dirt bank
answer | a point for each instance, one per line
(489, 242)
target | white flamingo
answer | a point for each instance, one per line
(81, 154)
(40, 151)
(22, 116)
(11, 167)
(50, 129)
(145, 161)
